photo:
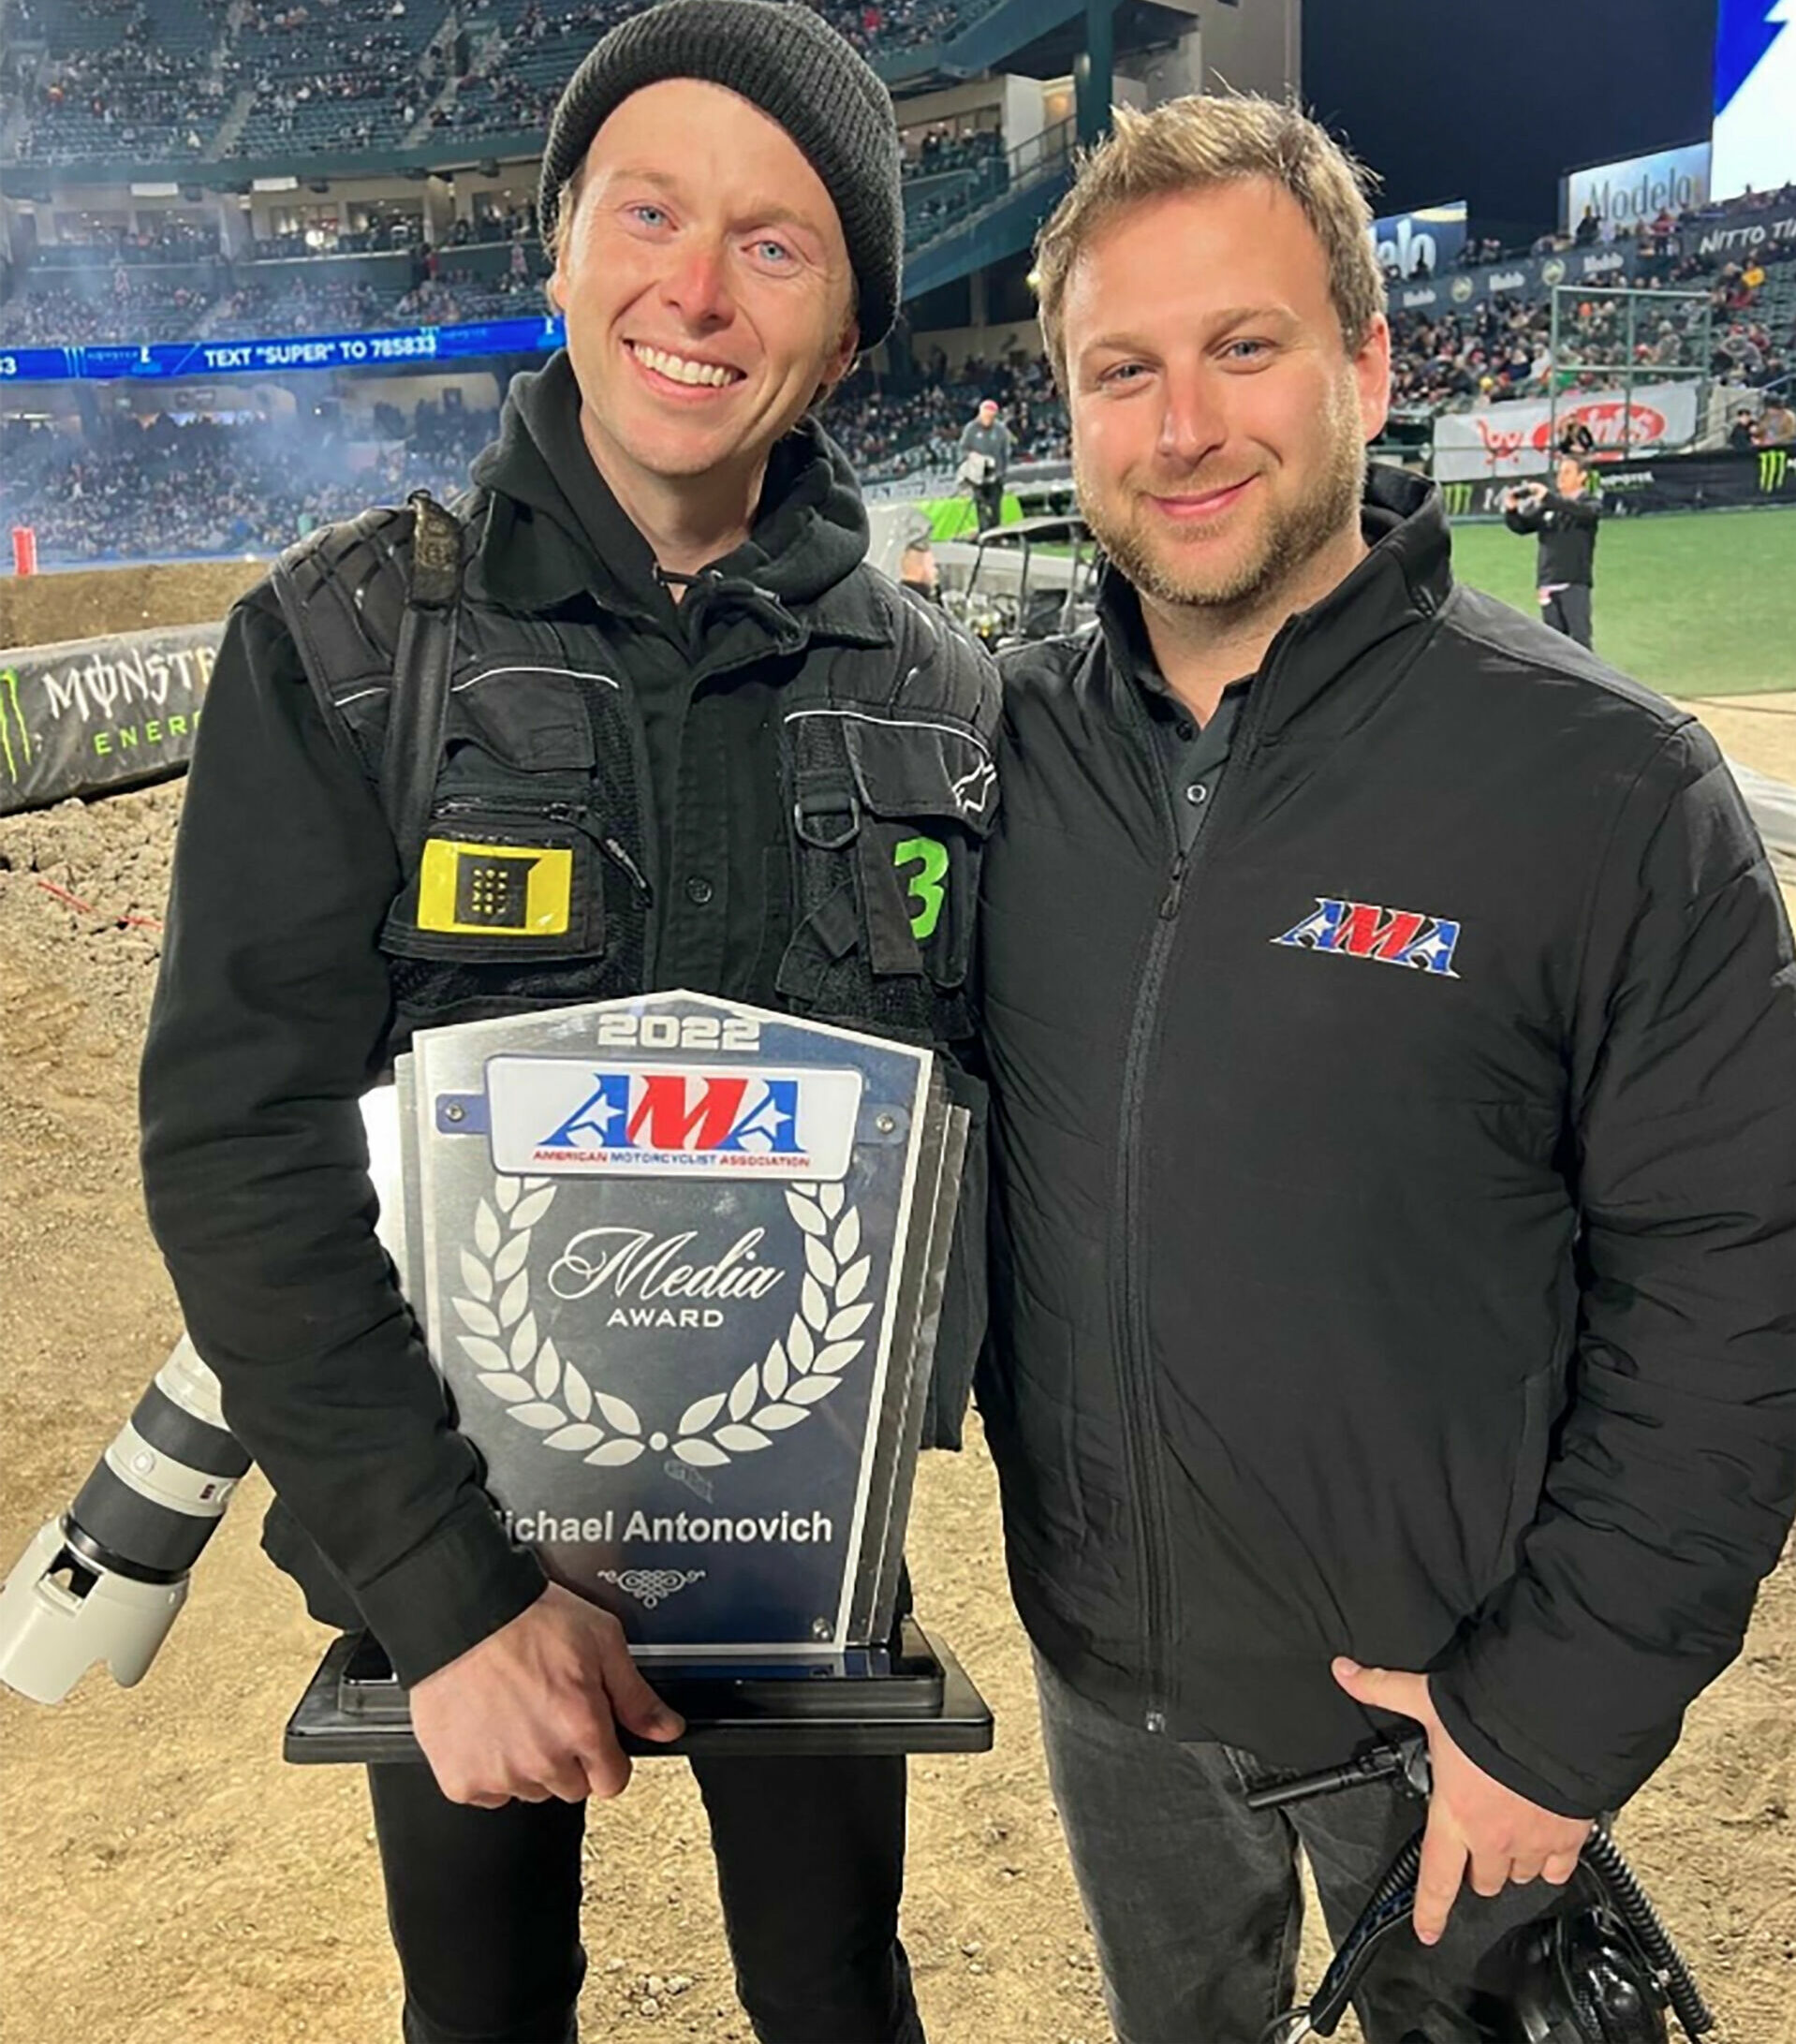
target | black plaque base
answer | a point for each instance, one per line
(910, 1697)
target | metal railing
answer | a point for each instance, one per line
(1024, 166)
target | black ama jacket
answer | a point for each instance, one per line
(1395, 1223)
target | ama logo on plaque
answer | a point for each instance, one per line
(555, 1115)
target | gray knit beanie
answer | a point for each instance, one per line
(788, 60)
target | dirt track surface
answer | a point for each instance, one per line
(83, 603)
(165, 1879)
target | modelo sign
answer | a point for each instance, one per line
(1433, 233)
(1638, 188)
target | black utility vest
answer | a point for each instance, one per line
(519, 733)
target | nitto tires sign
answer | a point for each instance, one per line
(89, 715)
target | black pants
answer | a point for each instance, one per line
(1567, 611)
(988, 497)
(1194, 1898)
(484, 1905)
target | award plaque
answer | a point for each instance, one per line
(679, 1263)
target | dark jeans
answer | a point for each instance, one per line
(484, 1905)
(1194, 1898)
(989, 499)
(1567, 611)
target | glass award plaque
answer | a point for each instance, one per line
(679, 1263)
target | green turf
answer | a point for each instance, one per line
(1699, 603)
(957, 518)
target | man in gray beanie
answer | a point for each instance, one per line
(663, 565)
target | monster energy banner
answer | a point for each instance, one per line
(1669, 482)
(90, 715)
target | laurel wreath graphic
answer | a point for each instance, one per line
(521, 1367)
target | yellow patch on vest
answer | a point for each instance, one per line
(495, 891)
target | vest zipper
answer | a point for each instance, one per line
(575, 813)
(622, 859)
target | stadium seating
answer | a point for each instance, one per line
(242, 79)
(372, 95)
(65, 314)
(211, 488)
(278, 82)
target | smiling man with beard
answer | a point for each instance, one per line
(1393, 1242)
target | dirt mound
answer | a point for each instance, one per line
(85, 603)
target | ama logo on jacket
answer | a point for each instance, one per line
(1390, 937)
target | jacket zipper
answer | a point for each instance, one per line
(574, 814)
(1139, 1436)
(1140, 1432)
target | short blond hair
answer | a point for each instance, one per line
(1198, 141)
(566, 205)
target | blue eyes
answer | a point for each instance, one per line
(774, 253)
(1237, 351)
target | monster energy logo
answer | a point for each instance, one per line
(1457, 497)
(1774, 468)
(15, 734)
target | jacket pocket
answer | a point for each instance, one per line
(1543, 1396)
(928, 791)
(510, 868)
(502, 877)
(960, 1335)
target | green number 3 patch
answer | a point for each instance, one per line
(925, 886)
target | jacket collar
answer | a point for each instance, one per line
(1404, 580)
(554, 534)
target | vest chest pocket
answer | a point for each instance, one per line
(928, 794)
(501, 881)
(513, 863)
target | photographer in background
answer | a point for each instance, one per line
(1566, 520)
(985, 460)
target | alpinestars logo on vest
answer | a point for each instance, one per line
(1392, 936)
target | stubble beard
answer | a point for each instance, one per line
(1290, 534)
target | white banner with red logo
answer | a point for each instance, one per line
(1516, 439)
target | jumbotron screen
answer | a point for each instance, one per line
(1755, 97)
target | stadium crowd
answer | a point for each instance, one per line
(892, 428)
(131, 492)
(208, 487)
(134, 308)
(1452, 359)
(113, 82)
